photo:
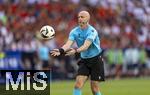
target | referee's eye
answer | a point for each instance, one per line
(80, 16)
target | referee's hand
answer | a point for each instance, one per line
(71, 51)
(55, 52)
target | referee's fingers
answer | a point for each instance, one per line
(55, 50)
(67, 54)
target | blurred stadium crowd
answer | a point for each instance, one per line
(123, 26)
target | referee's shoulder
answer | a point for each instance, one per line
(93, 29)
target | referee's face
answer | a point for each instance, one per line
(83, 18)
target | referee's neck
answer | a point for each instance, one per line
(84, 26)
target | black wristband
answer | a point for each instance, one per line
(61, 50)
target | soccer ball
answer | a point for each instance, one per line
(47, 32)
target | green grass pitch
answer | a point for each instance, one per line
(136, 86)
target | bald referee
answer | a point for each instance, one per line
(91, 64)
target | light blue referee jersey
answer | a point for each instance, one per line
(80, 35)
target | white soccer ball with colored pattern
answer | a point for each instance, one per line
(47, 32)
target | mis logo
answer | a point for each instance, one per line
(27, 80)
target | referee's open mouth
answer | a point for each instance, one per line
(80, 23)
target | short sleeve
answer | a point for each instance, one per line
(91, 35)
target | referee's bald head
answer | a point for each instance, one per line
(83, 19)
(86, 14)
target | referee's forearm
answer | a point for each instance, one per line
(82, 48)
(85, 46)
(65, 47)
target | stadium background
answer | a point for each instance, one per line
(123, 26)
